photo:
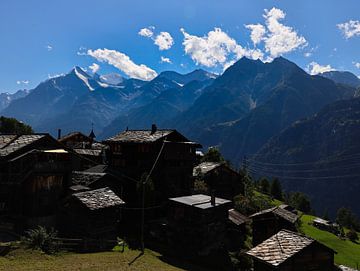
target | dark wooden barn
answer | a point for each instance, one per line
(268, 222)
(197, 223)
(219, 177)
(95, 213)
(290, 251)
(34, 173)
(133, 153)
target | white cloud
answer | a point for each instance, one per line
(315, 68)
(257, 32)
(357, 65)
(123, 63)
(350, 28)
(164, 41)
(147, 31)
(22, 82)
(165, 60)
(49, 47)
(280, 39)
(307, 54)
(82, 51)
(94, 68)
(216, 48)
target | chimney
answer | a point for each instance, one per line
(59, 134)
(212, 198)
(153, 129)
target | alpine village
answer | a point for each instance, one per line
(250, 164)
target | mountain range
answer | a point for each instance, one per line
(243, 111)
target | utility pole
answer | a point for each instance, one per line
(142, 215)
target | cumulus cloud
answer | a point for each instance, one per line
(215, 48)
(350, 28)
(315, 68)
(258, 32)
(164, 41)
(82, 51)
(22, 82)
(123, 63)
(147, 31)
(165, 60)
(94, 68)
(280, 39)
(357, 65)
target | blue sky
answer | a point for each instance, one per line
(39, 39)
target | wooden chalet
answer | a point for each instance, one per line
(268, 222)
(290, 251)
(87, 147)
(95, 213)
(34, 173)
(134, 152)
(236, 229)
(219, 177)
(197, 223)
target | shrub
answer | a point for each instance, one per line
(352, 235)
(42, 239)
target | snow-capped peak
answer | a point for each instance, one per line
(82, 75)
(112, 79)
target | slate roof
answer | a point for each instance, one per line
(97, 169)
(237, 218)
(140, 136)
(280, 247)
(89, 152)
(205, 168)
(69, 135)
(13, 143)
(285, 214)
(200, 201)
(85, 178)
(99, 199)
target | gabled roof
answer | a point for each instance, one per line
(99, 199)
(72, 134)
(237, 218)
(140, 136)
(12, 143)
(89, 152)
(205, 168)
(200, 201)
(277, 211)
(85, 178)
(280, 247)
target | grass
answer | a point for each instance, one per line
(24, 259)
(348, 253)
(267, 198)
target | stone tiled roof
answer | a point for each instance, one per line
(99, 199)
(89, 152)
(85, 178)
(280, 247)
(200, 201)
(13, 143)
(285, 214)
(140, 136)
(70, 135)
(205, 167)
(237, 218)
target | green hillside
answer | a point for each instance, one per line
(347, 252)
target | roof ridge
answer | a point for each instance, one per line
(11, 141)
